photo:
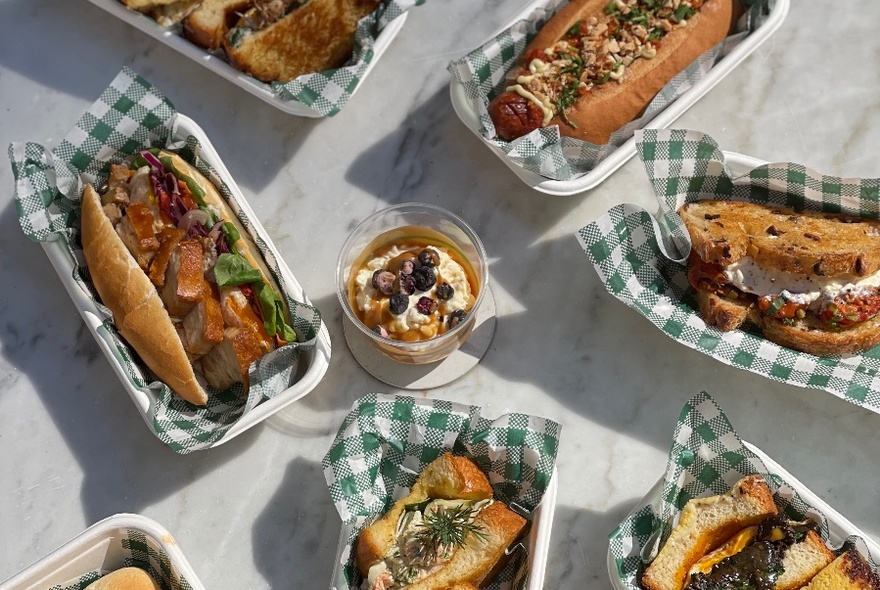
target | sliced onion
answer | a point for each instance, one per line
(153, 161)
(192, 217)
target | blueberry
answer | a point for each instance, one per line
(426, 305)
(455, 318)
(424, 277)
(383, 280)
(444, 291)
(398, 304)
(406, 284)
(428, 257)
(406, 268)
(380, 330)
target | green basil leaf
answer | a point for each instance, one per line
(233, 269)
(273, 313)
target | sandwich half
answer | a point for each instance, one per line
(807, 280)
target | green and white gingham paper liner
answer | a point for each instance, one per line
(641, 256)
(130, 115)
(483, 74)
(141, 553)
(706, 458)
(387, 440)
(328, 91)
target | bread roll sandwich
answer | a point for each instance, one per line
(447, 532)
(188, 289)
(734, 541)
(807, 280)
(596, 65)
(126, 578)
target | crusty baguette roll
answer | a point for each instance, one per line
(316, 36)
(138, 311)
(449, 477)
(127, 578)
(704, 524)
(610, 104)
(850, 571)
(187, 329)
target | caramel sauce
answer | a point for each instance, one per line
(411, 240)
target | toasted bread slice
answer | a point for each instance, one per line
(147, 5)
(802, 561)
(448, 477)
(726, 314)
(316, 36)
(850, 571)
(704, 524)
(807, 334)
(208, 24)
(811, 243)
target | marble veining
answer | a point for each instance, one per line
(255, 513)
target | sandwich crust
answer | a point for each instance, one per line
(850, 571)
(809, 243)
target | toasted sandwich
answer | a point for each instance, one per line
(850, 571)
(807, 280)
(282, 39)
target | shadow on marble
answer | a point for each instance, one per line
(295, 535)
(125, 467)
(579, 546)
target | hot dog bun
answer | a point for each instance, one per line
(609, 105)
(159, 279)
(449, 478)
(127, 578)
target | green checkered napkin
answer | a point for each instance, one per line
(706, 458)
(641, 257)
(131, 115)
(140, 552)
(387, 440)
(483, 74)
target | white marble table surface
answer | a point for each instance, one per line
(255, 512)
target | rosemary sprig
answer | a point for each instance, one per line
(447, 527)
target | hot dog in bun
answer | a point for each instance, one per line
(188, 289)
(737, 541)
(808, 280)
(596, 64)
(447, 533)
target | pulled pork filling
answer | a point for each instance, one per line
(598, 50)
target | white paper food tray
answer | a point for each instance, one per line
(839, 528)
(99, 548)
(538, 541)
(315, 360)
(218, 64)
(618, 158)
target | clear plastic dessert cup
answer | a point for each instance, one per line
(410, 224)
